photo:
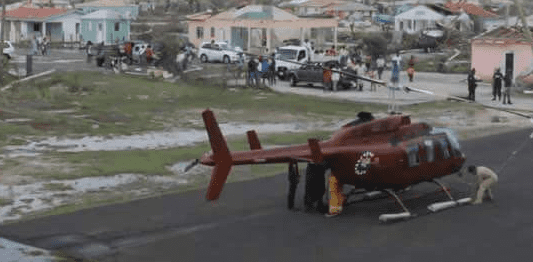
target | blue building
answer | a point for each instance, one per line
(105, 26)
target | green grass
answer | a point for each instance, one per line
(129, 104)
(154, 162)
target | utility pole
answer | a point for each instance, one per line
(4, 59)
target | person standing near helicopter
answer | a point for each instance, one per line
(485, 180)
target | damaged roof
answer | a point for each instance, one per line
(469, 8)
(502, 36)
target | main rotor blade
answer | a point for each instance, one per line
(517, 111)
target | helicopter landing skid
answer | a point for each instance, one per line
(404, 215)
(435, 207)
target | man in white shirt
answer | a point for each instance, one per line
(485, 179)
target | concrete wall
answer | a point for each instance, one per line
(486, 57)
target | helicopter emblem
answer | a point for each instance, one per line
(363, 164)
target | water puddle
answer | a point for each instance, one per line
(155, 140)
(21, 199)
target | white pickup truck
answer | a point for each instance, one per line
(292, 53)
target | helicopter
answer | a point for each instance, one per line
(387, 155)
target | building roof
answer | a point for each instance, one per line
(321, 3)
(256, 12)
(419, 13)
(103, 14)
(352, 6)
(34, 13)
(502, 32)
(107, 3)
(469, 8)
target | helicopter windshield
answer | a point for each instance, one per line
(452, 136)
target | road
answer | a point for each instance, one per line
(250, 222)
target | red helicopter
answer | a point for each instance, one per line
(370, 154)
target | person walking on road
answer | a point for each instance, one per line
(411, 68)
(497, 79)
(381, 66)
(485, 180)
(507, 91)
(395, 81)
(335, 77)
(472, 84)
(326, 78)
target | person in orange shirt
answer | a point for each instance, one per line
(149, 54)
(326, 78)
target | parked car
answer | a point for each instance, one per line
(218, 51)
(9, 50)
(312, 73)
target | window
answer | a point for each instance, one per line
(117, 27)
(413, 156)
(429, 147)
(444, 150)
(212, 32)
(409, 22)
(90, 26)
(100, 27)
(207, 46)
(401, 25)
(301, 55)
(199, 32)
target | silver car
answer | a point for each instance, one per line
(218, 51)
(9, 50)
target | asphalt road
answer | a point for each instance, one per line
(250, 222)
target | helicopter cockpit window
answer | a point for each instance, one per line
(444, 148)
(413, 156)
(430, 150)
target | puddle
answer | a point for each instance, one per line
(34, 197)
(156, 140)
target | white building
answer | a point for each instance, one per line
(416, 20)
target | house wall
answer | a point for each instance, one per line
(282, 29)
(122, 34)
(55, 31)
(68, 23)
(486, 57)
(89, 30)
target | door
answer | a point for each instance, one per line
(509, 68)
(100, 33)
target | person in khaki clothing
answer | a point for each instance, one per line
(485, 179)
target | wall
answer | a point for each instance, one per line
(486, 57)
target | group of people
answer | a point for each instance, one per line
(40, 46)
(261, 68)
(498, 79)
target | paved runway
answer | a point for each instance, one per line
(250, 222)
